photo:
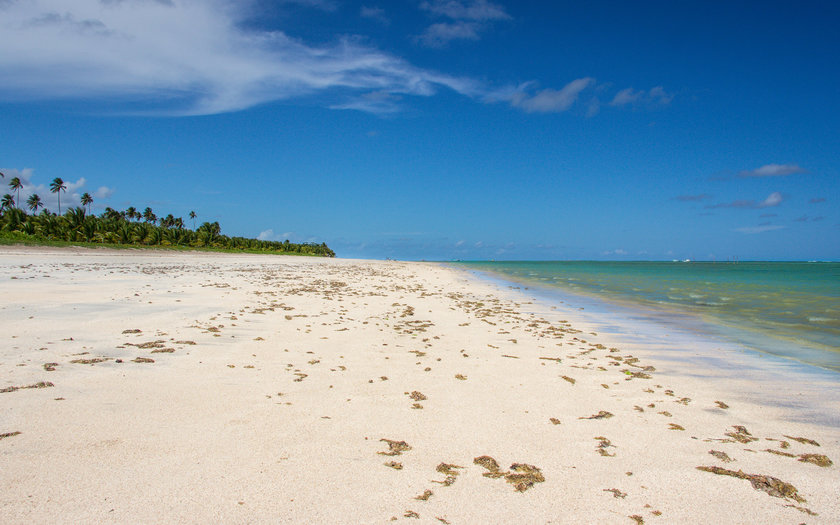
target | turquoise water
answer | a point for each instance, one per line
(789, 309)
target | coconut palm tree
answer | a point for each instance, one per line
(87, 200)
(34, 202)
(193, 216)
(7, 202)
(131, 212)
(57, 186)
(149, 215)
(16, 185)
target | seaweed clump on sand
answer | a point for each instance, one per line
(603, 414)
(450, 471)
(723, 456)
(395, 448)
(521, 475)
(40, 384)
(772, 486)
(9, 434)
(803, 440)
(425, 496)
(91, 361)
(603, 445)
(817, 459)
(143, 360)
(741, 434)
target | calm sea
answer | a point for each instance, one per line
(788, 309)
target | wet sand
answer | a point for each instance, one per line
(151, 386)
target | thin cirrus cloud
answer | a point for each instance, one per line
(752, 230)
(465, 20)
(772, 200)
(693, 198)
(375, 13)
(653, 96)
(773, 170)
(551, 100)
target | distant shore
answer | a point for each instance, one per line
(164, 386)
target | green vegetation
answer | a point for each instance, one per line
(118, 229)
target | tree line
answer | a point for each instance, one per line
(128, 227)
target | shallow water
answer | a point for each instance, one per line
(786, 309)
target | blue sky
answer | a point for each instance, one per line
(440, 129)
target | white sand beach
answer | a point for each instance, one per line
(174, 387)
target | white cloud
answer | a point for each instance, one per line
(751, 230)
(269, 235)
(774, 199)
(656, 95)
(103, 192)
(773, 170)
(193, 57)
(552, 100)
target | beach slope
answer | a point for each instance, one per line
(141, 386)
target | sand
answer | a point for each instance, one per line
(173, 387)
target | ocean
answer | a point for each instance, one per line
(789, 309)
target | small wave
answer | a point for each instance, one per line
(823, 320)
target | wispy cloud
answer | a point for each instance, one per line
(772, 200)
(466, 10)
(817, 200)
(466, 20)
(773, 170)
(551, 100)
(751, 230)
(189, 58)
(693, 198)
(653, 96)
(324, 5)
(375, 13)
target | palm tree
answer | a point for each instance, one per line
(87, 200)
(7, 202)
(34, 202)
(149, 215)
(130, 212)
(16, 185)
(57, 186)
(193, 216)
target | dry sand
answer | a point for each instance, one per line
(234, 389)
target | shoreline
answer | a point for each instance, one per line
(248, 388)
(676, 317)
(676, 347)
